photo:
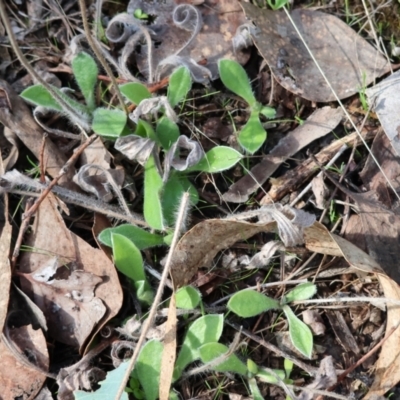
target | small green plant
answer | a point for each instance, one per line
(106, 122)
(249, 303)
(234, 77)
(139, 14)
(277, 4)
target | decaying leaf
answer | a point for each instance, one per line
(17, 379)
(5, 271)
(135, 147)
(319, 124)
(50, 239)
(348, 61)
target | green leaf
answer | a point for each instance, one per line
(135, 92)
(304, 291)
(145, 130)
(127, 257)
(179, 85)
(39, 96)
(187, 297)
(268, 112)
(266, 376)
(288, 367)
(191, 189)
(211, 351)
(108, 388)
(277, 4)
(252, 367)
(253, 135)
(153, 185)
(300, 333)
(109, 123)
(218, 159)
(141, 238)
(148, 367)
(85, 72)
(254, 389)
(167, 132)
(172, 192)
(144, 292)
(248, 303)
(234, 77)
(205, 329)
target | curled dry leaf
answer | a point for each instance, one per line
(51, 238)
(135, 147)
(17, 380)
(313, 319)
(348, 61)
(263, 257)
(194, 33)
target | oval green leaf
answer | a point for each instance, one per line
(211, 351)
(218, 159)
(127, 257)
(135, 92)
(300, 334)
(205, 329)
(167, 132)
(108, 123)
(304, 291)
(179, 85)
(148, 367)
(248, 303)
(234, 77)
(141, 238)
(187, 297)
(39, 96)
(153, 185)
(85, 72)
(253, 135)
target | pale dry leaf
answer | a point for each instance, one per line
(318, 124)
(348, 61)
(5, 271)
(51, 238)
(384, 100)
(320, 191)
(264, 256)
(313, 319)
(169, 352)
(135, 147)
(153, 106)
(326, 377)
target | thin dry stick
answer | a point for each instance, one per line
(27, 65)
(341, 104)
(98, 53)
(157, 299)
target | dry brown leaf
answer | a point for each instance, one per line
(51, 239)
(17, 380)
(169, 352)
(318, 124)
(198, 247)
(348, 61)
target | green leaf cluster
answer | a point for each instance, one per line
(234, 77)
(249, 303)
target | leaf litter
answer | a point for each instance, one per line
(77, 287)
